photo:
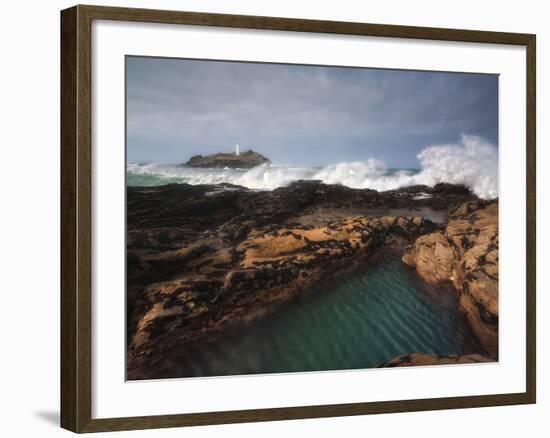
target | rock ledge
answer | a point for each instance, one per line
(416, 359)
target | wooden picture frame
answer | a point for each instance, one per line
(76, 217)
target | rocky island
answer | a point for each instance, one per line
(203, 259)
(243, 160)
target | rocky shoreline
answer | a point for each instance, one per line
(201, 259)
(466, 254)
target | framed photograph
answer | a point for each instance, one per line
(269, 218)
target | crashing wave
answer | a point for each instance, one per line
(472, 162)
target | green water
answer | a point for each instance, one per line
(150, 179)
(371, 315)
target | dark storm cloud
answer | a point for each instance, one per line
(301, 114)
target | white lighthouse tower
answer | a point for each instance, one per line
(237, 152)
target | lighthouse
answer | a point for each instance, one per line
(237, 145)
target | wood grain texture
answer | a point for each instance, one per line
(531, 250)
(300, 25)
(76, 220)
(69, 327)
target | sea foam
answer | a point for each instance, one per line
(472, 162)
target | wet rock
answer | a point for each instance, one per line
(203, 258)
(416, 359)
(433, 257)
(261, 273)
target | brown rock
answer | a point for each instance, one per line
(416, 359)
(200, 258)
(433, 257)
(222, 287)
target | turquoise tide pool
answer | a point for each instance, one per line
(380, 310)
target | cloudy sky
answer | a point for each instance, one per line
(301, 115)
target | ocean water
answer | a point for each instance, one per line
(472, 163)
(361, 320)
(267, 176)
